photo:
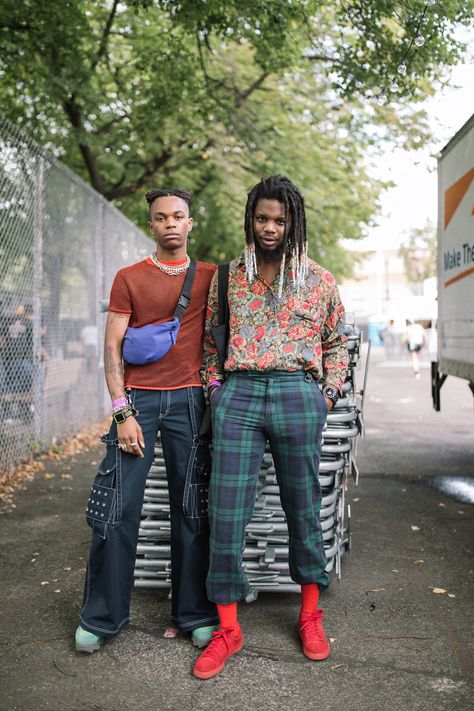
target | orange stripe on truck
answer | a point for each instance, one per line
(454, 194)
(462, 275)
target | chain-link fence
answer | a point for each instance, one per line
(60, 246)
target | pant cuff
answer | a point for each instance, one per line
(100, 630)
(196, 624)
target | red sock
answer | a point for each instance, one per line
(309, 597)
(227, 614)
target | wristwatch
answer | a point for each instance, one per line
(331, 394)
(121, 415)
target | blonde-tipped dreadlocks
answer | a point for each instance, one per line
(278, 187)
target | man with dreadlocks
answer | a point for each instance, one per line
(285, 336)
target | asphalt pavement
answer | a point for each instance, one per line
(398, 643)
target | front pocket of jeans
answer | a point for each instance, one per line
(197, 397)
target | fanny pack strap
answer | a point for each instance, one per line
(185, 297)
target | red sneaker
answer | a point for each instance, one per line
(315, 642)
(225, 642)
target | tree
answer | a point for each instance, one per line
(215, 94)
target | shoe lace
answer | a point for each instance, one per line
(311, 624)
(219, 644)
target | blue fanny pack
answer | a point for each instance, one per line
(150, 343)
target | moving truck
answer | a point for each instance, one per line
(455, 265)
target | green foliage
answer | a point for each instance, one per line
(213, 95)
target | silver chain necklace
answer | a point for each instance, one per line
(172, 271)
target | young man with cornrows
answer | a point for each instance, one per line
(164, 395)
(286, 333)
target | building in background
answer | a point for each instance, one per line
(379, 295)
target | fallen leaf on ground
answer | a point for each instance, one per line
(45, 582)
(438, 591)
(443, 506)
(332, 639)
(418, 562)
(375, 590)
(67, 568)
(394, 570)
(48, 475)
(337, 666)
(66, 476)
(82, 570)
(451, 595)
(12, 478)
(415, 528)
(55, 580)
(58, 590)
(356, 499)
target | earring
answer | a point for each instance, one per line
(250, 261)
(282, 275)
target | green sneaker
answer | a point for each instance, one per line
(203, 635)
(86, 641)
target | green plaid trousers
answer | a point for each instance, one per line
(288, 410)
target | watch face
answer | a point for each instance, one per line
(330, 393)
(119, 417)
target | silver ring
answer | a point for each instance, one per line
(122, 446)
(133, 444)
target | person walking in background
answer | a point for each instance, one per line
(163, 394)
(286, 334)
(415, 340)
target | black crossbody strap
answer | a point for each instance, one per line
(222, 288)
(185, 297)
(220, 333)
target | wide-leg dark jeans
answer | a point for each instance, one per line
(109, 580)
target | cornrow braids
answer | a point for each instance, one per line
(279, 187)
(178, 192)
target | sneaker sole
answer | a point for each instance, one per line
(88, 648)
(200, 643)
(316, 656)
(214, 672)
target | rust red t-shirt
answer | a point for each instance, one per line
(150, 296)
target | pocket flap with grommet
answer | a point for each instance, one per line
(109, 462)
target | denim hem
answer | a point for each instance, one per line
(196, 624)
(103, 633)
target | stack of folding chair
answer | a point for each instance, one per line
(265, 557)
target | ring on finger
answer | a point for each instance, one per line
(133, 444)
(122, 445)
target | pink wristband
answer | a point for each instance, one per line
(119, 402)
(217, 383)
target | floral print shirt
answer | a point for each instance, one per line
(302, 332)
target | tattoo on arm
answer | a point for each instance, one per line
(113, 370)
